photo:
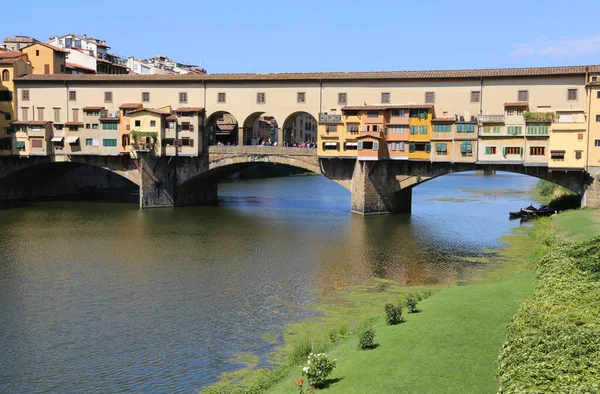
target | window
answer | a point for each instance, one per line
(490, 150)
(145, 97)
(183, 97)
(40, 113)
(57, 114)
(109, 142)
(465, 128)
(152, 123)
(376, 127)
(520, 111)
(37, 143)
(7, 116)
(138, 123)
(510, 111)
(6, 95)
(72, 95)
(108, 97)
(598, 94)
(398, 113)
(300, 97)
(514, 130)
(571, 94)
(597, 143)
(441, 148)
(342, 98)
(62, 68)
(331, 145)
(25, 113)
(423, 129)
(523, 95)
(110, 126)
(429, 97)
(578, 154)
(331, 128)
(25, 95)
(88, 126)
(89, 142)
(594, 79)
(398, 129)
(537, 129)
(6, 75)
(73, 128)
(537, 151)
(475, 96)
(352, 127)
(58, 127)
(441, 128)
(260, 98)
(414, 130)
(597, 118)
(220, 97)
(94, 126)
(466, 148)
(75, 115)
(37, 52)
(385, 98)
(372, 114)
(557, 154)
(512, 151)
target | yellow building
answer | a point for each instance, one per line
(12, 66)
(419, 147)
(593, 99)
(148, 128)
(330, 131)
(46, 58)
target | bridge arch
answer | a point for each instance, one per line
(298, 127)
(222, 127)
(260, 127)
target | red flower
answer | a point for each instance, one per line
(300, 382)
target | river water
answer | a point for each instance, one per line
(104, 297)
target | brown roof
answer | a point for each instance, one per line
(384, 107)
(4, 54)
(92, 108)
(20, 122)
(9, 60)
(172, 117)
(109, 119)
(73, 124)
(189, 109)
(446, 119)
(368, 136)
(130, 105)
(76, 66)
(31, 122)
(157, 111)
(316, 76)
(516, 104)
(57, 49)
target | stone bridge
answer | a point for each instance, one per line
(376, 186)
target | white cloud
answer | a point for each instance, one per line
(562, 47)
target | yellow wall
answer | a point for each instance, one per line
(421, 122)
(40, 55)
(145, 118)
(594, 131)
(570, 142)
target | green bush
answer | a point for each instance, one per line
(565, 202)
(366, 338)
(411, 301)
(545, 188)
(393, 314)
(318, 368)
(552, 343)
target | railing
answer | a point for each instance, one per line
(142, 147)
(491, 118)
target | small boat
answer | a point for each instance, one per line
(532, 212)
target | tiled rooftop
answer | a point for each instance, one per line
(384, 107)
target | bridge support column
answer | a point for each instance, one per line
(374, 190)
(158, 180)
(591, 195)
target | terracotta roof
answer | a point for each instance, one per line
(316, 76)
(20, 122)
(9, 60)
(152, 110)
(447, 119)
(130, 105)
(76, 66)
(4, 54)
(57, 49)
(31, 122)
(189, 109)
(109, 119)
(516, 104)
(172, 117)
(384, 107)
(92, 108)
(73, 124)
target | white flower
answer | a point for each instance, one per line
(305, 369)
(308, 362)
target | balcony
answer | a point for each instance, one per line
(491, 118)
(330, 118)
(569, 126)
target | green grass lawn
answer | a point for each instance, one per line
(577, 225)
(450, 347)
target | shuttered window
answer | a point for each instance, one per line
(441, 148)
(423, 130)
(441, 128)
(414, 130)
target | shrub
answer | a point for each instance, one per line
(566, 201)
(411, 301)
(393, 314)
(318, 368)
(366, 338)
(546, 188)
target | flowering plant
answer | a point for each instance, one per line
(318, 367)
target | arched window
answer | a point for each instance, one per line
(5, 75)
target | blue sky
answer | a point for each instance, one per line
(310, 35)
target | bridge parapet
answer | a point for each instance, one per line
(260, 150)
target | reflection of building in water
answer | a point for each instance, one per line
(304, 128)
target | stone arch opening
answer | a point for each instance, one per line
(221, 129)
(261, 128)
(300, 127)
(44, 180)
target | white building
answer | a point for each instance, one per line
(162, 65)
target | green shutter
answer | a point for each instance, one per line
(488, 150)
(423, 114)
(411, 148)
(20, 144)
(496, 129)
(428, 148)
(423, 129)
(504, 151)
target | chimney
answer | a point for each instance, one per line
(85, 36)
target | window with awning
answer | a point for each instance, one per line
(57, 139)
(72, 140)
(20, 144)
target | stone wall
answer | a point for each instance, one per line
(591, 197)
